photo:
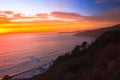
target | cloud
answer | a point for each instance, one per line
(103, 1)
(17, 15)
(65, 15)
(4, 18)
(109, 16)
(42, 15)
(8, 12)
(59, 16)
(100, 1)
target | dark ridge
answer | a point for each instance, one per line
(97, 32)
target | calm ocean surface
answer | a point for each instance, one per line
(21, 52)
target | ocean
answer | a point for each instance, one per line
(22, 52)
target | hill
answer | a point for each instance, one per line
(97, 32)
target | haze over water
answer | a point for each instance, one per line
(21, 52)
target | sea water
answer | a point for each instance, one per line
(22, 52)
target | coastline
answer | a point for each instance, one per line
(37, 70)
(32, 72)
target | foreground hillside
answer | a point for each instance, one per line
(98, 32)
(99, 61)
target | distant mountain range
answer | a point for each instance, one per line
(97, 32)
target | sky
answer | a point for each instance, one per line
(96, 13)
(84, 7)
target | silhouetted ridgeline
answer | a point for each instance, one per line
(98, 32)
(99, 61)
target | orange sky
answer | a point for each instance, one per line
(11, 22)
(56, 26)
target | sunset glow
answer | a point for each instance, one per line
(55, 16)
(36, 36)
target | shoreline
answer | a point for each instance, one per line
(36, 69)
(40, 69)
(32, 72)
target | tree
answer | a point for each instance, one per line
(84, 45)
(7, 77)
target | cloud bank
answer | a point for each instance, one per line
(103, 1)
(109, 16)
